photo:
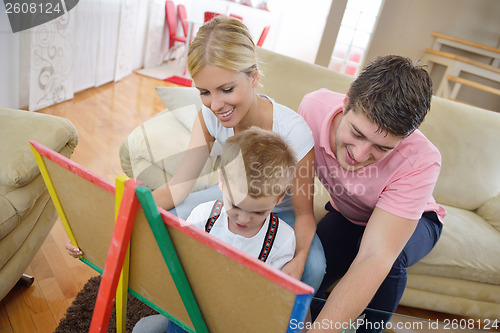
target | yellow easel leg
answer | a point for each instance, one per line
(52, 191)
(122, 289)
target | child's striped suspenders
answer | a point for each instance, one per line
(270, 235)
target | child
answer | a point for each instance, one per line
(257, 167)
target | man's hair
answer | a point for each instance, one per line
(394, 93)
(223, 42)
(258, 163)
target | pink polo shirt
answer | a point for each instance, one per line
(401, 183)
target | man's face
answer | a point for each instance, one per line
(358, 142)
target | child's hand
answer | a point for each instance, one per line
(73, 250)
(294, 268)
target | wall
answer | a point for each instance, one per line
(300, 27)
(404, 28)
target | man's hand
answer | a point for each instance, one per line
(73, 250)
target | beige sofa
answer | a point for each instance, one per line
(462, 273)
(26, 211)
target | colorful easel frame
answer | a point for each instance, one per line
(234, 291)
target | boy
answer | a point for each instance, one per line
(257, 168)
(380, 172)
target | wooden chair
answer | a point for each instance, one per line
(462, 44)
(181, 11)
(263, 35)
(207, 16)
(455, 83)
(171, 21)
(455, 65)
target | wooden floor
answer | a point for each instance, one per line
(103, 116)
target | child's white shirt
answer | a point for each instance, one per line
(283, 248)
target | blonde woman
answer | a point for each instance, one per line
(223, 64)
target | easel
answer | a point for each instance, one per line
(129, 251)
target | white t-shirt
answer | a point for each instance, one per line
(283, 248)
(286, 122)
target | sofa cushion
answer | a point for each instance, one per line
(178, 97)
(450, 295)
(17, 165)
(490, 211)
(17, 202)
(8, 217)
(155, 148)
(468, 249)
(467, 138)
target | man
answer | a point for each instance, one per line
(380, 172)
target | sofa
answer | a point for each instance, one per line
(26, 210)
(461, 275)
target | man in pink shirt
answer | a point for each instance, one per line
(380, 171)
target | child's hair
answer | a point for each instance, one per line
(258, 163)
(224, 42)
(394, 93)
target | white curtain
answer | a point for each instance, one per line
(51, 62)
(91, 45)
(157, 34)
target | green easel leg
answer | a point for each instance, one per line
(170, 256)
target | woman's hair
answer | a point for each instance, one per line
(392, 92)
(257, 162)
(223, 42)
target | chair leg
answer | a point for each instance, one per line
(26, 280)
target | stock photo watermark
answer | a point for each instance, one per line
(26, 14)
(414, 326)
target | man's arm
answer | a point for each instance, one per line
(383, 240)
(302, 191)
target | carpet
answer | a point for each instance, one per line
(79, 315)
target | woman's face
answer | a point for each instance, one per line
(229, 95)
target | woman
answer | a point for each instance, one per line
(223, 64)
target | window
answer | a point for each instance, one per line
(354, 36)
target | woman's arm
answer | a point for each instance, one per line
(178, 187)
(302, 191)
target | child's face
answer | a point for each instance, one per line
(246, 214)
(228, 94)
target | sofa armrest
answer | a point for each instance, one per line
(17, 165)
(20, 182)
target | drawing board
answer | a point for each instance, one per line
(234, 291)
